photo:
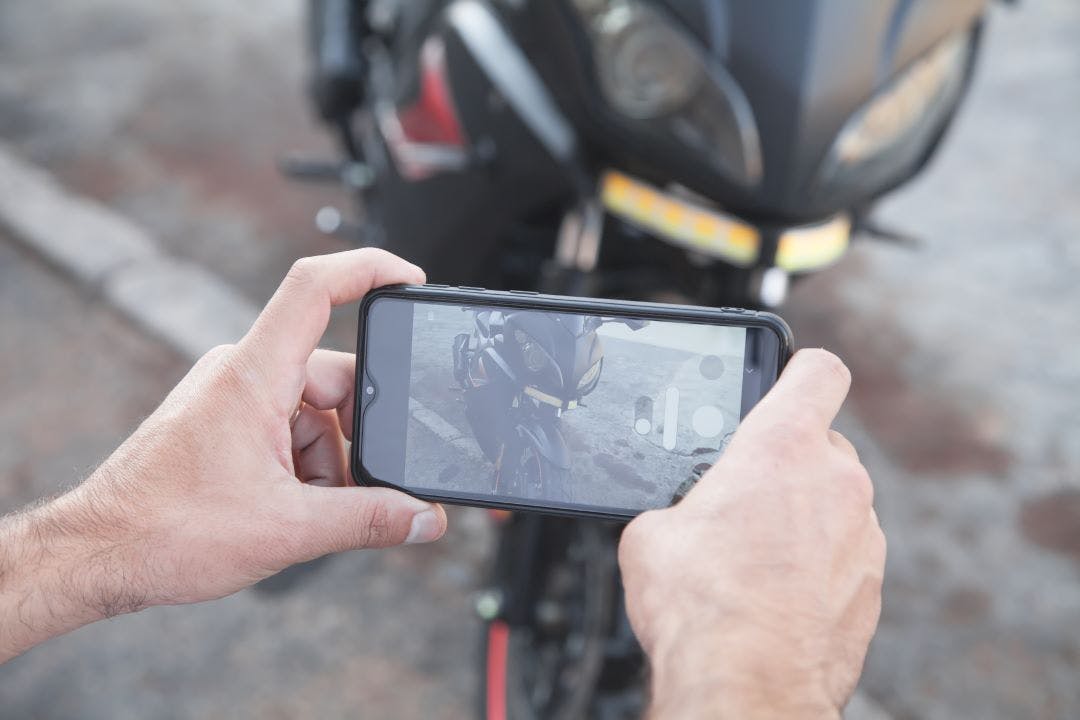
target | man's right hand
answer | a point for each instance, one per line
(758, 594)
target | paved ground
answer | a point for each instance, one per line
(965, 354)
(176, 115)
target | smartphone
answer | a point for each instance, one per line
(571, 406)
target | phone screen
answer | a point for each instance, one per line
(551, 408)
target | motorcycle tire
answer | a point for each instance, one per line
(547, 662)
(525, 473)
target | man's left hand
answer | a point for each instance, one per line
(240, 473)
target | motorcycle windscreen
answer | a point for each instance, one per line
(536, 408)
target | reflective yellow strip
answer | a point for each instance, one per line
(680, 222)
(545, 398)
(812, 248)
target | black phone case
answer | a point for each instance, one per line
(525, 299)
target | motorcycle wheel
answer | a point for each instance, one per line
(523, 472)
(547, 663)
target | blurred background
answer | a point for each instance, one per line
(171, 119)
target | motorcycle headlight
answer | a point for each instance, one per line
(652, 72)
(590, 375)
(647, 69)
(532, 354)
(894, 128)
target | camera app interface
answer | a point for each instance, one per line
(569, 409)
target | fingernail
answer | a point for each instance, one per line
(424, 528)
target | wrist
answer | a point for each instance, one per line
(734, 675)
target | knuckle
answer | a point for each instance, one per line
(229, 369)
(217, 352)
(374, 526)
(643, 551)
(634, 540)
(860, 487)
(833, 365)
(303, 272)
(824, 361)
(214, 357)
(840, 440)
(881, 544)
(371, 254)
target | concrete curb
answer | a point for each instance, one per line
(434, 422)
(109, 255)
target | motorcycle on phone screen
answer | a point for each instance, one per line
(705, 151)
(519, 372)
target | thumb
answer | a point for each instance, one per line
(352, 518)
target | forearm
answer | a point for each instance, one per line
(723, 677)
(60, 569)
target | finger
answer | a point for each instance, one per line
(814, 385)
(318, 448)
(292, 323)
(844, 445)
(331, 385)
(350, 518)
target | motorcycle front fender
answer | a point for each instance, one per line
(548, 441)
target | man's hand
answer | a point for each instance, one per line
(757, 595)
(240, 473)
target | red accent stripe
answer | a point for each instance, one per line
(498, 642)
(431, 118)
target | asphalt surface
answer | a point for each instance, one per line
(964, 352)
(176, 115)
(966, 358)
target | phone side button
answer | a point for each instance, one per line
(469, 287)
(441, 286)
(524, 292)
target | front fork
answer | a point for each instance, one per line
(555, 587)
(577, 252)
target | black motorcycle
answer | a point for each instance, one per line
(709, 151)
(519, 372)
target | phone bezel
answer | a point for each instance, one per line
(514, 299)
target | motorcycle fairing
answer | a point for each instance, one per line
(491, 355)
(803, 71)
(571, 343)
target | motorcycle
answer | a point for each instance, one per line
(705, 151)
(519, 372)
